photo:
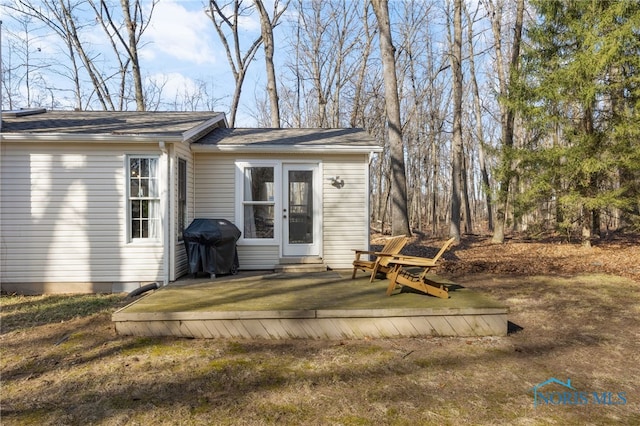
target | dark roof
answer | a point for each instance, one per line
(188, 126)
(288, 138)
(104, 122)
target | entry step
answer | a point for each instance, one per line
(301, 264)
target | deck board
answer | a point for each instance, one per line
(327, 305)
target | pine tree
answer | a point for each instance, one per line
(579, 96)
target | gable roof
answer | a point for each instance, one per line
(105, 125)
(206, 131)
(283, 140)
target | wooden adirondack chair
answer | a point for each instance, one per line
(381, 261)
(399, 275)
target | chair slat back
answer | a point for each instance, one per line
(444, 248)
(393, 246)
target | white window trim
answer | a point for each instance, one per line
(277, 202)
(157, 241)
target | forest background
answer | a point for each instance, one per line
(497, 116)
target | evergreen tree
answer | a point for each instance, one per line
(579, 96)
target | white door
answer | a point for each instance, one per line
(301, 216)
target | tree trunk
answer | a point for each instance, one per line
(468, 226)
(477, 108)
(357, 116)
(456, 163)
(238, 61)
(133, 54)
(266, 26)
(399, 216)
(506, 113)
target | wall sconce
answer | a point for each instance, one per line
(337, 182)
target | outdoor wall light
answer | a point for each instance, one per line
(337, 182)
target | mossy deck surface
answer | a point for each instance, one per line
(332, 290)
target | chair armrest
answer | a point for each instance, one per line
(412, 261)
(363, 251)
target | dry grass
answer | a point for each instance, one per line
(73, 369)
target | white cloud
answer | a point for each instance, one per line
(183, 34)
(174, 85)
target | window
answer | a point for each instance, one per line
(144, 198)
(258, 202)
(182, 196)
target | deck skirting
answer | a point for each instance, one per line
(316, 324)
(325, 305)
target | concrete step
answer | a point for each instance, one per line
(301, 264)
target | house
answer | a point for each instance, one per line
(97, 201)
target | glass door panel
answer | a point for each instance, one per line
(300, 207)
(301, 210)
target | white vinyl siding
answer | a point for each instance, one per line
(345, 222)
(258, 257)
(345, 209)
(215, 192)
(214, 187)
(63, 216)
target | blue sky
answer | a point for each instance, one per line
(179, 47)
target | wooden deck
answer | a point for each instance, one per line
(327, 305)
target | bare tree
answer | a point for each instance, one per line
(328, 35)
(52, 14)
(68, 19)
(477, 109)
(267, 24)
(22, 68)
(412, 29)
(135, 21)
(456, 152)
(507, 115)
(227, 16)
(399, 214)
(366, 41)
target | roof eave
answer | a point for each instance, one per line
(271, 149)
(90, 138)
(202, 129)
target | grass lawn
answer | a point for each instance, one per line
(62, 363)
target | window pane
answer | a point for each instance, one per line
(135, 228)
(144, 167)
(258, 184)
(258, 221)
(182, 197)
(135, 209)
(144, 198)
(144, 209)
(182, 179)
(135, 188)
(144, 188)
(153, 213)
(153, 188)
(134, 167)
(153, 178)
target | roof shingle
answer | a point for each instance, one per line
(288, 137)
(106, 122)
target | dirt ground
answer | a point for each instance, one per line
(574, 318)
(617, 254)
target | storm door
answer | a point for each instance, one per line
(301, 210)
